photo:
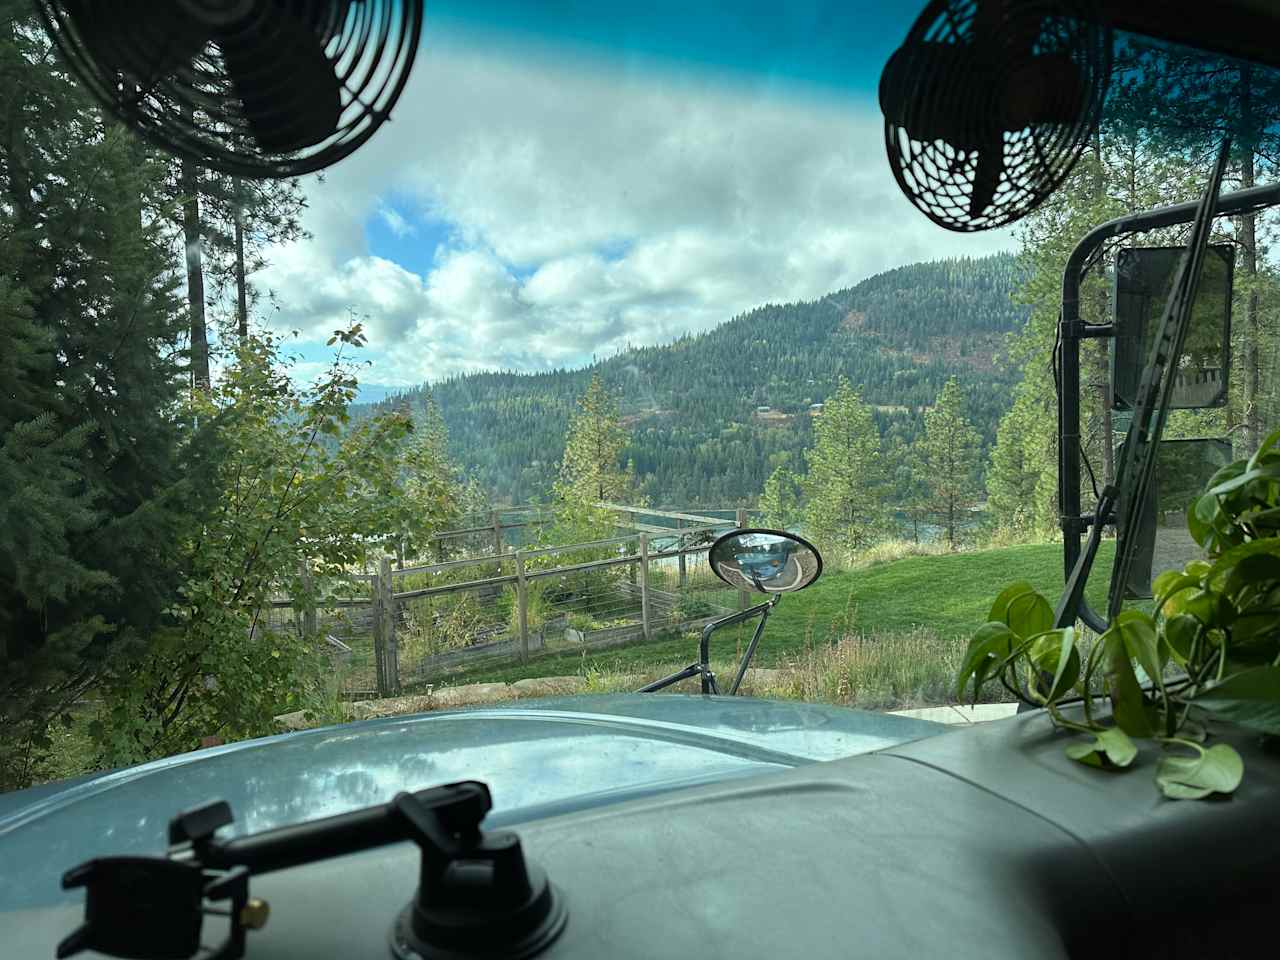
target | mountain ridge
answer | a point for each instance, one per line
(712, 413)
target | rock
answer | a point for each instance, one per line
(471, 693)
(294, 721)
(547, 686)
(393, 706)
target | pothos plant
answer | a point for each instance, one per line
(1209, 649)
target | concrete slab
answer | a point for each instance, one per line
(979, 713)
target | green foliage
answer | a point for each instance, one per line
(292, 487)
(90, 490)
(692, 607)
(844, 484)
(1120, 175)
(948, 457)
(591, 471)
(1215, 628)
(779, 505)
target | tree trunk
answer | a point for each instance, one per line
(1252, 321)
(1251, 408)
(242, 295)
(189, 185)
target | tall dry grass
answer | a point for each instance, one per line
(893, 671)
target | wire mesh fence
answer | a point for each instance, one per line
(492, 596)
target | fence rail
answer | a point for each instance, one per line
(418, 624)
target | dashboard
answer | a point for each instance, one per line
(984, 842)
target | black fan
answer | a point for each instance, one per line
(259, 88)
(989, 103)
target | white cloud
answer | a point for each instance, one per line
(591, 205)
(396, 223)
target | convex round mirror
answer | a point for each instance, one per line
(768, 561)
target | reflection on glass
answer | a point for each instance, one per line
(1144, 279)
(766, 561)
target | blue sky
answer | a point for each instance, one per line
(535, 202)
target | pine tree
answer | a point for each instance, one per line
(779, 505)
(843, 487)
(949, 456)
(591, 470)
(1188, 101)
(431, 484)
(911, 491)
(89, 467)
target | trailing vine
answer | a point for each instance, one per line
(1210, 648)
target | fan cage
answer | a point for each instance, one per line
(194, 111)
(938, 177)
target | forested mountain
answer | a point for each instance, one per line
(696, 408)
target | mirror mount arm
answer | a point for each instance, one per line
(760, 610)
(755, 640)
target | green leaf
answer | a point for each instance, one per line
(1139, 635)
(1272, 439)
(1208, 607)
(1218, 769)
(1268, 472)
(1250, 698)
(1226, 473)
(1127, 701)
(1056, 653)
(1202, 519)
(1179, 635)
(1022, 609)
(1256, 571)
(991, 644)
(1109, 749)
(1225, 564)
(1169, 583)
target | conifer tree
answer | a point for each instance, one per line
(844, 485)
(90, 495)
(949, 456)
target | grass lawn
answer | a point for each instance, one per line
(948, 594)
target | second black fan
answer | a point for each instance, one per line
(989, 103)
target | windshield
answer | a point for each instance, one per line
(457, 418)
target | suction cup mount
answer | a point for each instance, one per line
(477, 895)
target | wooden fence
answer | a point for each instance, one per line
(642, 580)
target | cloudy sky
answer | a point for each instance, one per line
(532, 205)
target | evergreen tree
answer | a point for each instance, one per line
(1021, 492)
(779, 505)
(591, 470)
(949, 456)
(911, 491)
(844, 484)
(1188, 102)
(89, 461)
(697, 439)
(1120, 174)
(432, 490)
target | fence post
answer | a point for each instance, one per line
(744, 599)
(390, 648)
(522, 602)
(680, 546)
(379, 633)
(644, 585)
(310, 624)
(497, 532)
